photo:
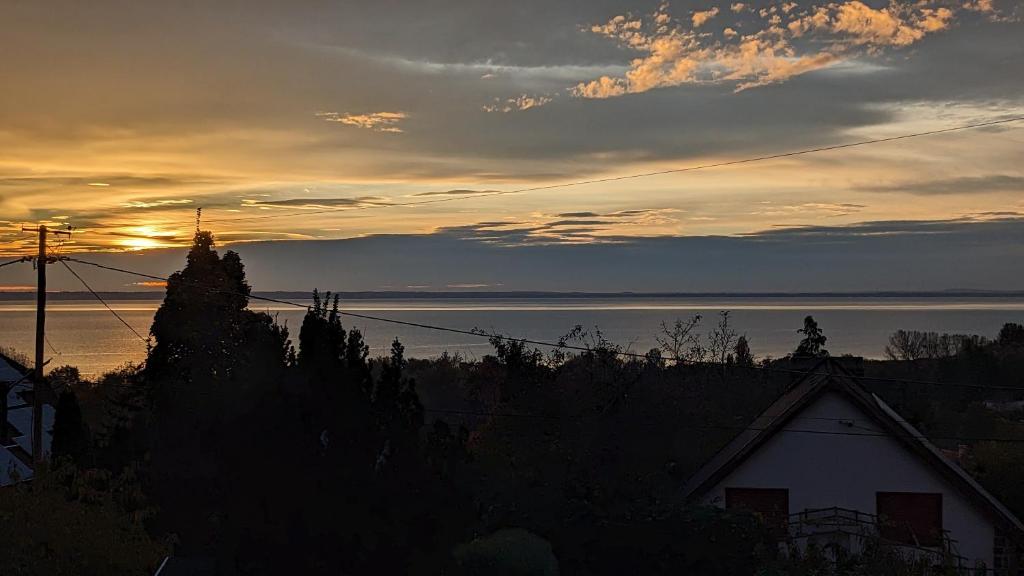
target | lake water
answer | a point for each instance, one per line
(84, 334)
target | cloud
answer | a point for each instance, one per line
(312, 203)
(894, 25)
(170, 203)
(634, 213)
(518, 104)
(988, 8)
(375, 121)
(567, 227)
(701, 17)
(90, 182)
(469, 285)
(830, 33)
(907, 229)
(144, 234)
(202, 123)
(456, 192)
(980, 6)
(826, 209)
(883, 255)
(879, 255)
(991, 183)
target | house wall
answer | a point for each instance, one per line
(822, 471)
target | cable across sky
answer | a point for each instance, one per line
(560, 345)
(554, 345)
(368, 205)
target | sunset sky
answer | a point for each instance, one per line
(372, 124)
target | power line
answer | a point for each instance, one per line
(50, 345)
(815, 150)
(870, 434)
(556, 345)
(16, 261)
(100, 298)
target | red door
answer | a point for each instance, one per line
(910, 517)
(772, 504)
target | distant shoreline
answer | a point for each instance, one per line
(526, 295)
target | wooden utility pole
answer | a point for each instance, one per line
(38, 383)
(37, 388)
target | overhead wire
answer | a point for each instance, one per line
(484, 194)
(562, 345)
(368, 205)
(102, 301)
(559, 346)
(16, 261)
(704, 427)
(50, 345)
(555, 345)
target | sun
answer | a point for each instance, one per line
(140, 243)
(145, 238)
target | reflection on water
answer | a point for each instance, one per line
(85, 334)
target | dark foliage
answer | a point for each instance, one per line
(70, 433)
(813, 344)
(265, 459)
(212, 364)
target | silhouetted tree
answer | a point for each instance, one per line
(1011, 334)
(722, 339)
(906, 345)
(398, 408)
(212, 364)
(63, 378)
(122, 434)
(70, 434)
(813, 344)
(681, 342)
(742, 353)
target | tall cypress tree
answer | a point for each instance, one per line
(213, 362)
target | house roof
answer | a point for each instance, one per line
(15, 455)
(11, 370)
(830, 375)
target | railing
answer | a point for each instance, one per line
(864, 527)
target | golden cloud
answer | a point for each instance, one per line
(518, 104)
(376, 121)
(155, 203)
(676, 55)
(699, 18)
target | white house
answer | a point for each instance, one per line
(832, 464)
(16, 444)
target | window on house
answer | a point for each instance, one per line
(771, 503)
(910, 517)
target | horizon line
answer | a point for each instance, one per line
(456, 293)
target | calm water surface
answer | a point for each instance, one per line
(84, 334)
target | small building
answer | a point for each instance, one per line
(16, 420)
(831, 464)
